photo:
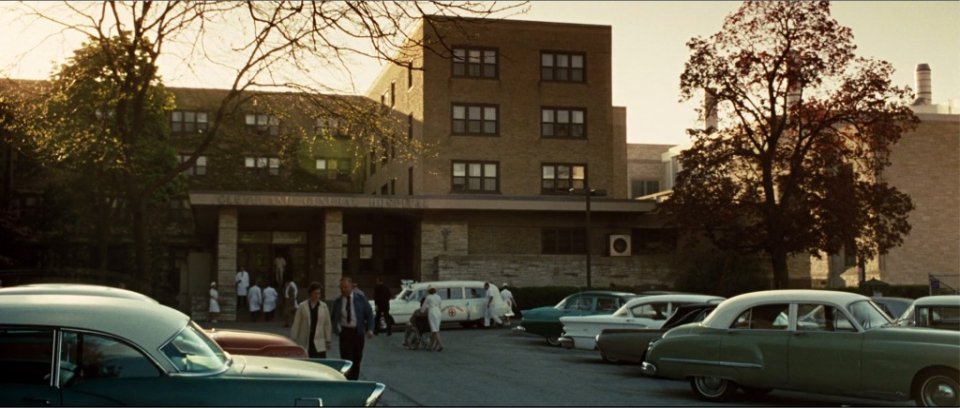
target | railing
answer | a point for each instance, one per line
(938, 286)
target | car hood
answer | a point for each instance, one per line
(287, 368)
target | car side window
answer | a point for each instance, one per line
(578, 303)
(939, 317)
(25, 356)
(813, 317)
(475, 293)
(85, 356)
(653, 311)
(456, 293)
(607, 304)
(764, 317)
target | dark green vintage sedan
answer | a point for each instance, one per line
(545, 321)
(70, 350)
(828, 342)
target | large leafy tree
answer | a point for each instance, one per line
(276, 46)
(804, 130)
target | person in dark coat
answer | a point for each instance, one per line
(352, 321)
(381, 297)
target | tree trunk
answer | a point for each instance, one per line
(781, 276)
(141, 243)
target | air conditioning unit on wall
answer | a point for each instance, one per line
(619, 244)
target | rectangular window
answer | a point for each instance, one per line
(563, 67)
(568, 123)
(653, 240)
(262, 123)
(366, 246)
(475, 63)
(198, 169)
(263, 165)
(475, 120)
(475, 177)
(393, 94)
(409, 75)
(410, 181)
(558, 241)
(639, 188)
(333, 168)
(329, 127)
(188, 121)
(560, 178)
(410, 126)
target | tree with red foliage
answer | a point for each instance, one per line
(803, 133)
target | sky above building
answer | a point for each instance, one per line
(649, 51)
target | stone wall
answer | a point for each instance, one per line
(555, 270)
(227, 262)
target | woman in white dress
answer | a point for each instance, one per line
(214, 302)
(431, 305)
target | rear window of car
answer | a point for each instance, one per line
(25, 356)
(764, 317)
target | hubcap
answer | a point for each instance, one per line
(940, 391)
(711, 386)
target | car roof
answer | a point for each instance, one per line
(452, 283)
(74, 289)
(938, 300)
(146, 324)
(679, 297)
(727, 311)
(604, 292)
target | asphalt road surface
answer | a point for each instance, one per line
(496, 367)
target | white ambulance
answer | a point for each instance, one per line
(462, 301)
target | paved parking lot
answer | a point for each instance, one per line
(498, 368)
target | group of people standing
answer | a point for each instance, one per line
(262, 301)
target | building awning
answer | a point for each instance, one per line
(445, 202)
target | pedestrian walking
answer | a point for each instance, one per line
(214, 310)
(352, 319)
(290, 301)
(255, 301)
(381, 299)
(507, 296)
(270, 296)
(311, 323)
(243, 283)
(488, 311)
(431, 305)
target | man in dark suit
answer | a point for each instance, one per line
(381, 298)
(352, 319)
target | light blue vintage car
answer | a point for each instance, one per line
(827, 342)
(74, 349)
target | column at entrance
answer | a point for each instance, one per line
(332, 252)
(227, 263)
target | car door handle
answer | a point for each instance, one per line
(40, 401)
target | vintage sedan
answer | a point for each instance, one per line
(248, 343)
(630, 345)
(938, 312)
(545, 321)
(69, 349)
(833, 343)
(648, 312)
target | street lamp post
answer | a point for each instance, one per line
(588, 192)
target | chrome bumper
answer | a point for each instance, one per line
(566, 342)
(519, 330)
(648, 369)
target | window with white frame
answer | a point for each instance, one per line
(557, 178)
(563, 67)
(475, 120)
(263, 165)
(263, 123)
(475, 62)
(333, 168)
(475, 177)
(563, 123)
(199, 168)
(182, 121)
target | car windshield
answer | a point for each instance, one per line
(868, 314)
(191, 351)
